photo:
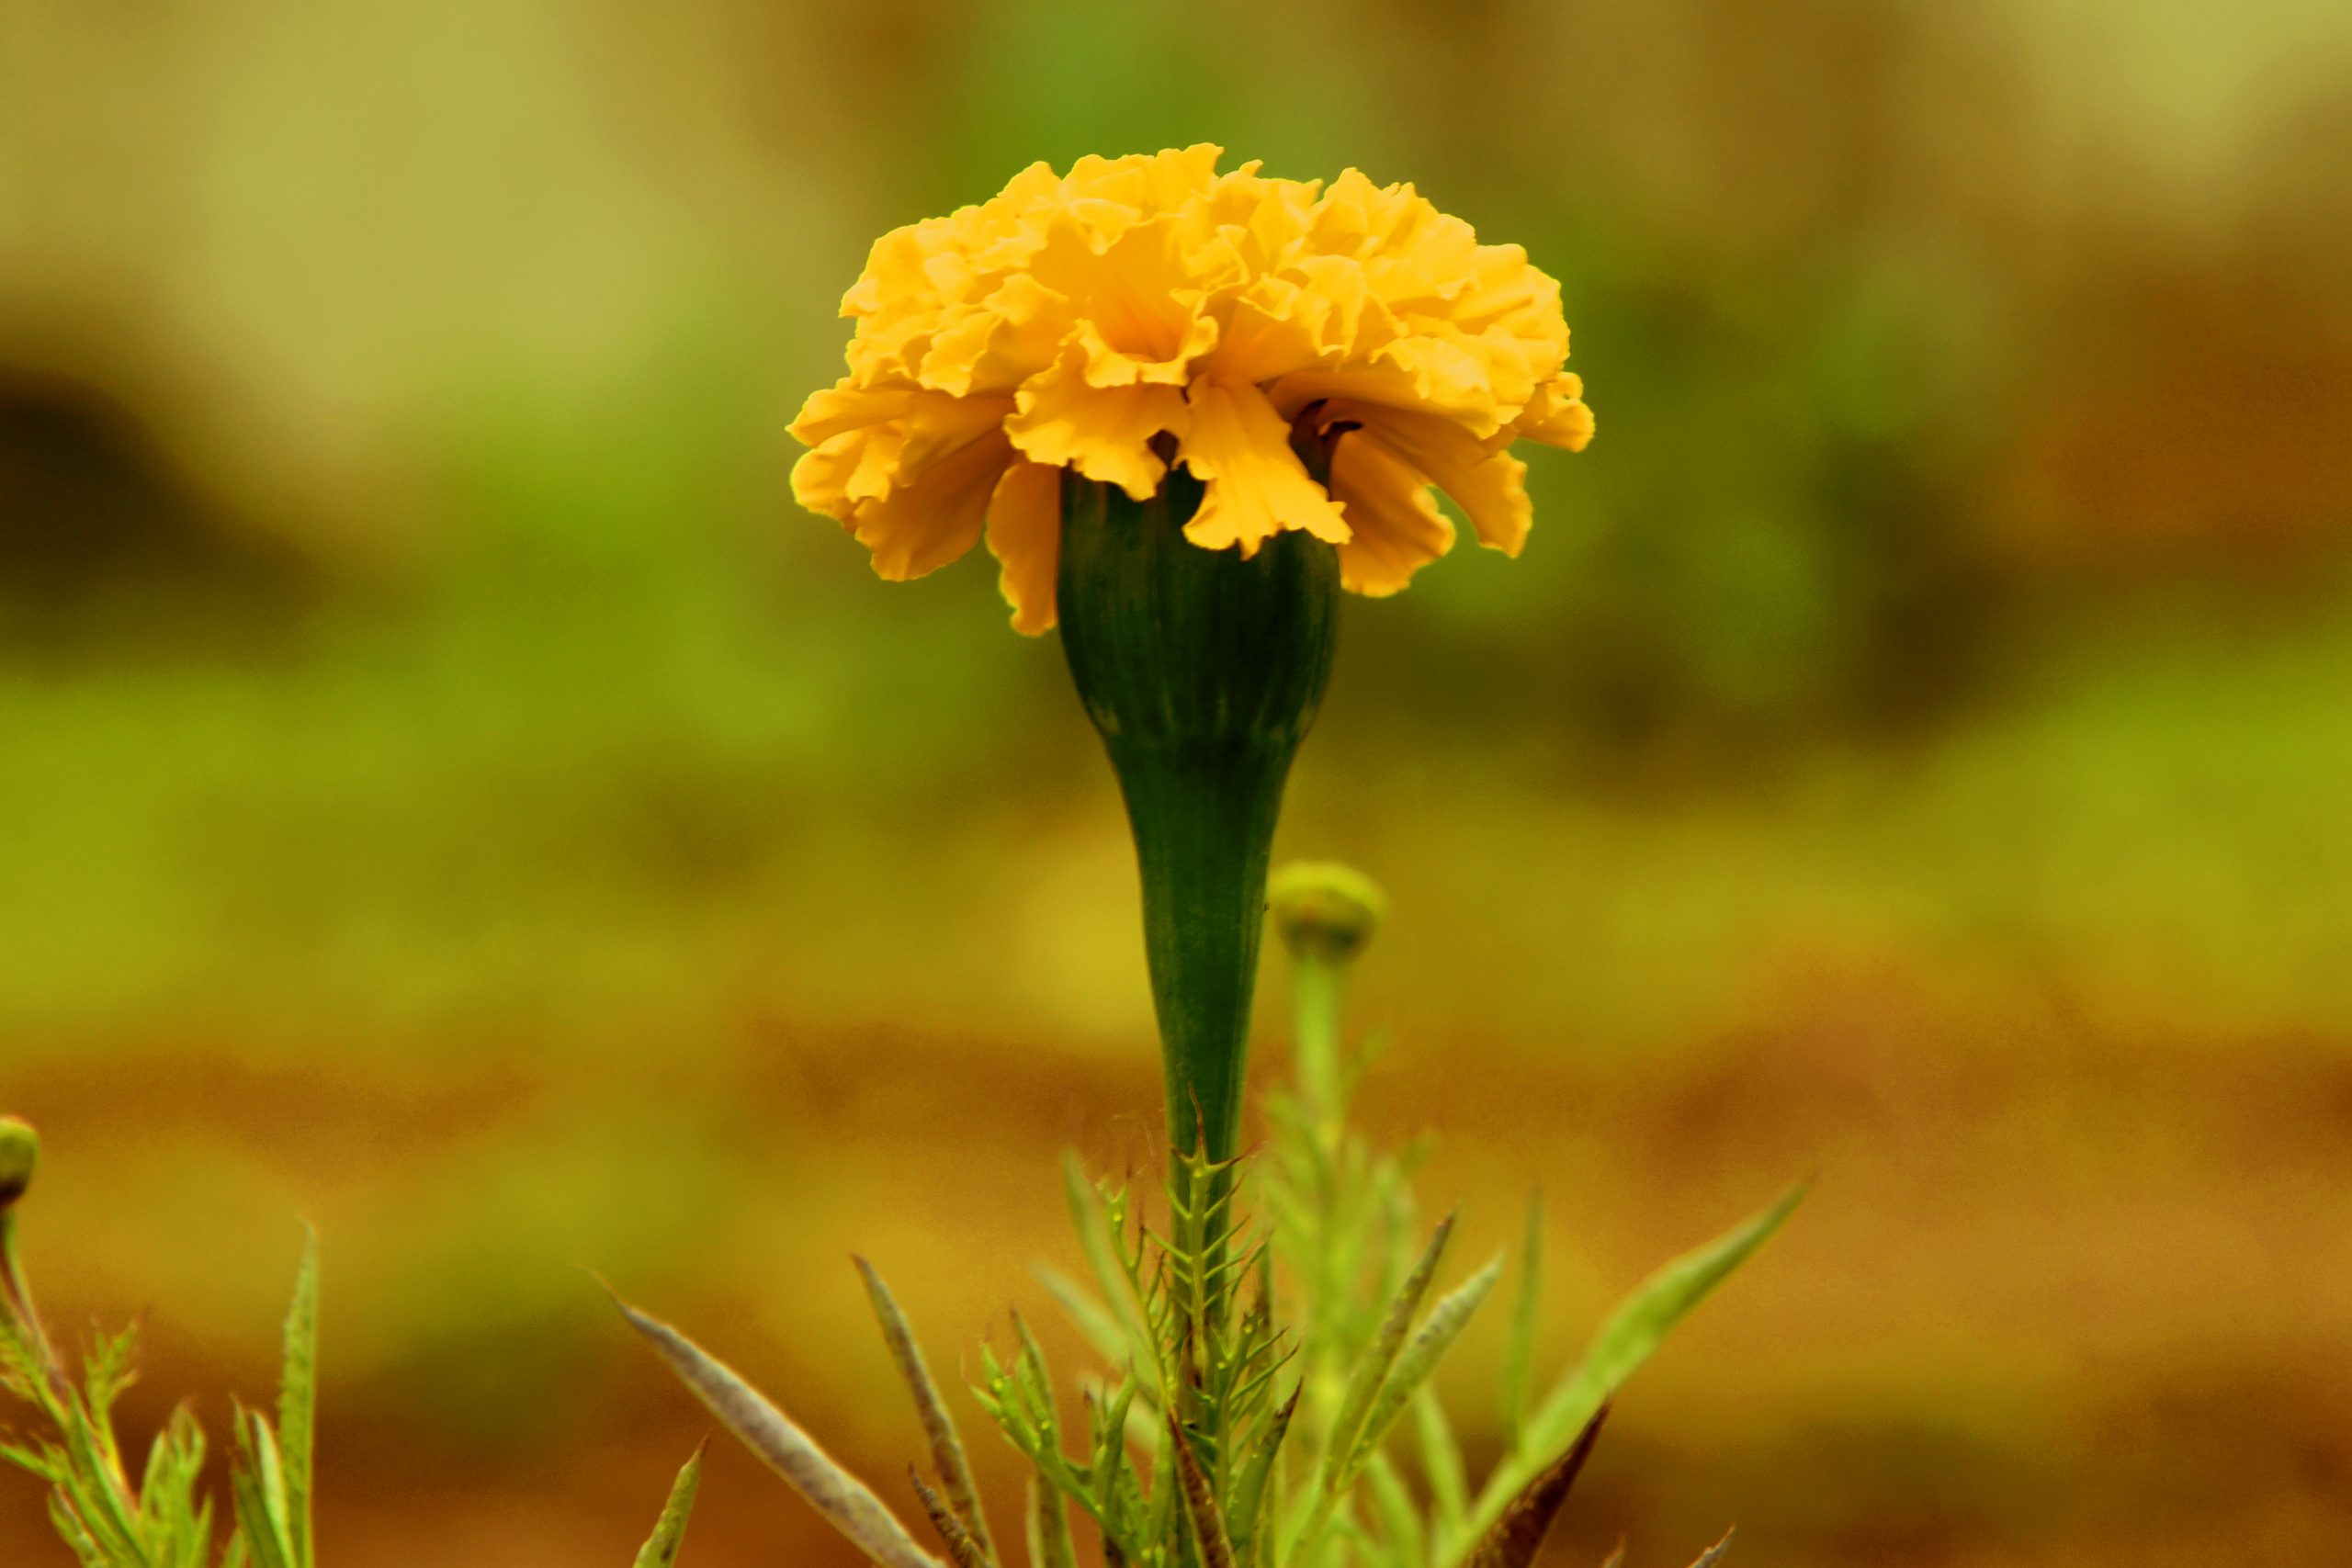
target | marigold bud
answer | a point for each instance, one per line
(19, 1153)
(1325, 910)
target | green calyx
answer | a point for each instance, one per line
(1202, 670)
(19, 1155)
(1325, 910)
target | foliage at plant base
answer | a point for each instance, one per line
(158, 1515)
(1266, 1344)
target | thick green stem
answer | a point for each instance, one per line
(1201, 669)
(1204, 825)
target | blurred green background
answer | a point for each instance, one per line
(449, 793)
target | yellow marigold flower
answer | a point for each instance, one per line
(1143, 309)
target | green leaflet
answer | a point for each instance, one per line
(1400, 1521)
(1209, 1536)
(844, 1501)
(939, 1428)
(963, 1550)
(297, 1392)
(257, 1483)
(1372, 1371)
(1049, 1542)
(1625, 1341)
(1518, 1535)
(1249, 1499)
(1440, 1463)
(1429, 1346)
(1519, 1355)
(660, 1548)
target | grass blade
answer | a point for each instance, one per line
(844, 1501)
(660, 1548)
(947, 1456)
(1519, 1534)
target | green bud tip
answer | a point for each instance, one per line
(1325, 910)
(19, 1153)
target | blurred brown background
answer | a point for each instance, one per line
(450, 794)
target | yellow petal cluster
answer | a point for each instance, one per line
(1142, 306)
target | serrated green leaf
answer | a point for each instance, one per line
(254, 1482)
(77, 1535)
(94, 1485)
(661, 1548)
(947, 1457)
(297, 1399)
(844, 1501)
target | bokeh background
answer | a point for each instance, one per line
(447, 792)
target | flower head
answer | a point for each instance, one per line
(1146, 310)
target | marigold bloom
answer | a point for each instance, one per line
(1141, 308)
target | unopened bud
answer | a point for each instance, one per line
(19, 1153)
(1325, 910)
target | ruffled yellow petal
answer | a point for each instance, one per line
(1557, 415)
(1025, 534)
(921, 527)
(1072, 320)
(1103, 432)
(1239, 447)
(870, 442)
(1491, 487)
(1397, 528)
